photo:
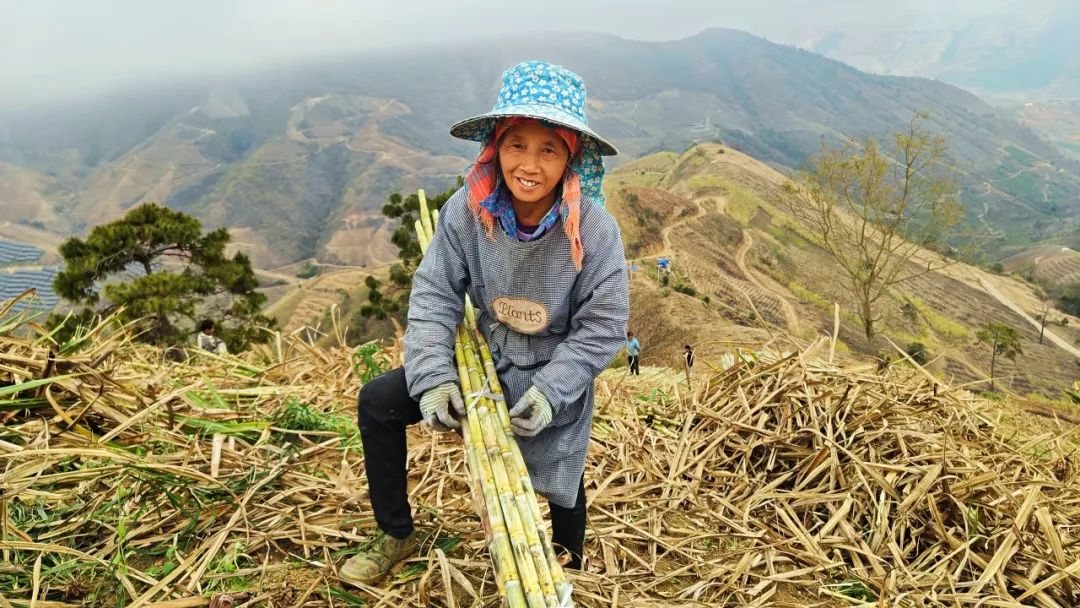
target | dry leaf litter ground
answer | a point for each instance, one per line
(129, 480)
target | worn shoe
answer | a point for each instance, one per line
(376, 561)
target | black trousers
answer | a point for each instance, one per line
(385, 409)
(634, 361)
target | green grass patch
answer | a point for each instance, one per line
(299, 416)
(1025, 185)
(741, 203)
(693, 159)
(810, 297)
(842, 347)
(1065, 402)
(1020, 156)
(704, 182)
(791, 234)
(852, 589)
(938, 322)
(902, 337)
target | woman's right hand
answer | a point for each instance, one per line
(435, 407)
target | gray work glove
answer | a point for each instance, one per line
(435, 407)
(531, 413)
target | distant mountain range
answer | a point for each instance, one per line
(298, 161)
(1030, 54)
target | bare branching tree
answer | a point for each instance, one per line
(878, 213)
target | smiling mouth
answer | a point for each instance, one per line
(526, 183)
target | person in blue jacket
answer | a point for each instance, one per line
(528, 239)
(633, 354)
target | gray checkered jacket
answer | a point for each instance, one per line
(548, 325)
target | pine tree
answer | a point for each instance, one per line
(393, 300)
(159, 267)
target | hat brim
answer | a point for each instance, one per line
(478, 127)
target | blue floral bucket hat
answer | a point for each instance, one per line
(541, 90)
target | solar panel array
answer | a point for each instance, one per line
(12, 252)
(14, 283)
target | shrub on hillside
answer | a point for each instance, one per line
(918, 353)
(1069, 300)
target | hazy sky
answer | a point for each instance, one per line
(69, 47)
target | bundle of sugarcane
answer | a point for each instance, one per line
(526, 569)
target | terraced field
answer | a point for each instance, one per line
(1062, 269)
(713, 271)
(313, 305)
(1052, 264)
(307, 303)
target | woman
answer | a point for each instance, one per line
(528, 239)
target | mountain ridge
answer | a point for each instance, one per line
(341, 135)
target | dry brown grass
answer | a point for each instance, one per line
(777, 481)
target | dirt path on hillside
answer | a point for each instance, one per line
(994, 291)
(665, 234)
(287, 278)
(790, 316)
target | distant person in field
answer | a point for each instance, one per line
(528, 240)
(633, 353)
(688, 361)
(206, 340)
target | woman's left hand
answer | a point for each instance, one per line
(531, 413)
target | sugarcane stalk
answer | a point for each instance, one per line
(425, 215)
(562, 586)
(502, 552)
(527, 571)
(520, 483)
(483, 408)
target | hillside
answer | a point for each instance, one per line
(298, 161)
(1057, 121)
(765, 278)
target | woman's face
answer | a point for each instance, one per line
(533, 159)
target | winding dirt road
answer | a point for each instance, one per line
(665, 233)
(790, 316)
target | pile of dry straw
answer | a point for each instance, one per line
(129, 480)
